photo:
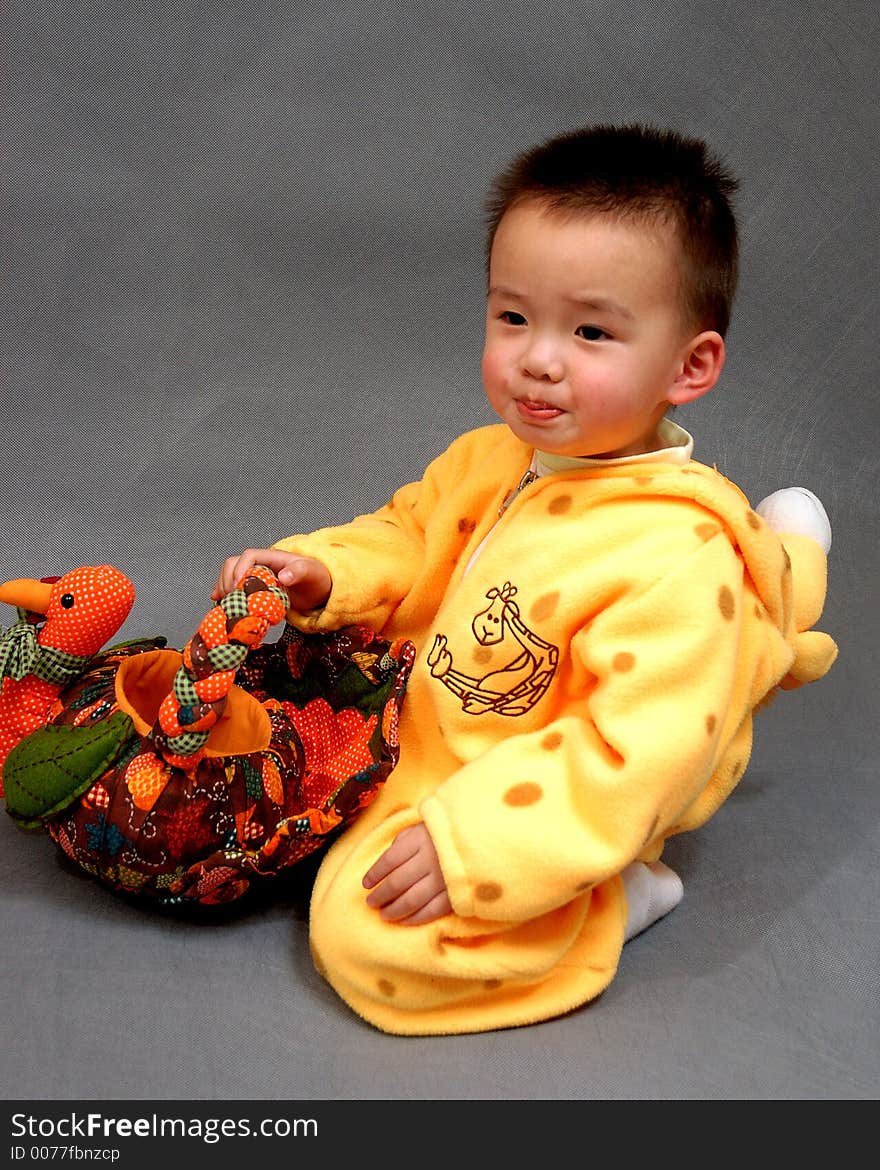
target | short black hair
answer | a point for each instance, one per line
(644, 174)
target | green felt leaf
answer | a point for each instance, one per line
(54, 765)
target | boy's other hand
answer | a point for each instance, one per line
(307, 581)
(407, 882)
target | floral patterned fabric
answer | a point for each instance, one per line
(207, 834)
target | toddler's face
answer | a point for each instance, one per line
(584, 331)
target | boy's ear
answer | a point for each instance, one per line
(701, 368)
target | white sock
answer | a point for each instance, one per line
(798, 510)
(652, 890)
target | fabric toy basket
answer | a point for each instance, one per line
(189, 777)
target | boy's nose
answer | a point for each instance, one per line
(542, 361)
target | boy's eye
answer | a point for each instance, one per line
(511, 318)
(590, 332)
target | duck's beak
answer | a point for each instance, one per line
(27, 593)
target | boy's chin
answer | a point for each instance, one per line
(544, 436)
(548, 436)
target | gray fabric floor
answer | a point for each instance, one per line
(243, 297)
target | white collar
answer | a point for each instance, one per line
(678, 447)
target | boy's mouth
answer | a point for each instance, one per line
(536, 411)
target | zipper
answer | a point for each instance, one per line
(529, 477)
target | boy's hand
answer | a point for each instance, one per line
(408, 881)
(307, 582)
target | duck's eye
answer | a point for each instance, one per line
(67, 601)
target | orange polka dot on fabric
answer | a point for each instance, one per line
(386, 987)
(753, 519)
(482, 654)
(491, 984)
(544, 607)
(551, 741)
(213, 628)
(726, 603)
(488, 892)
(624, 661)
(644, 480)
(466, 525)
(522, 795)
(215, 687)
(559, 505)
(711, 723)
(707, 531)
(146, 778)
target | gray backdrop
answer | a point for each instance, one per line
(243, 296)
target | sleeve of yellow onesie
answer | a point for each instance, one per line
(671, 675)
(374, 560)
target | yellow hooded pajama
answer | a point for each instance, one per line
(581, 692)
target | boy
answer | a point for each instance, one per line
(596, 615)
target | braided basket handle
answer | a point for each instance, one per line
(211, 659)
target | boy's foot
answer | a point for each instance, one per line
(797, 510)
(652, 890)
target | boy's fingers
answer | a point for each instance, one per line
(245, 563)
(406, 889)
(399, 883)
(436, 908)
(234, 568)
(307, 582)
(412, 901)
(374, 874)
(384, 894)
(380, 869)
(395, 855)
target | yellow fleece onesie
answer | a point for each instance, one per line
(581, 693)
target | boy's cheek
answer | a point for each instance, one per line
(492, 369)
(488, 362)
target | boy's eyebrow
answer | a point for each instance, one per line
(603, 305)
(596, 304)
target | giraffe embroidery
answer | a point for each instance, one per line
(513, 689)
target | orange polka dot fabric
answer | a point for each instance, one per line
(85, 607)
